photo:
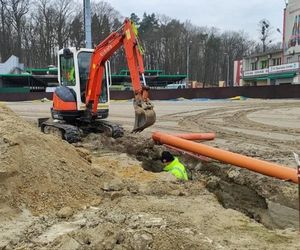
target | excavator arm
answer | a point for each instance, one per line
(125, 36)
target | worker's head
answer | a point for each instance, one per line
(166, 157)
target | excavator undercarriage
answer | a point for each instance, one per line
(73, 133)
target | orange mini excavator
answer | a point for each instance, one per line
(82, 99)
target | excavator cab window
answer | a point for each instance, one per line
(103, 96)
(84, 60)
(67, 70)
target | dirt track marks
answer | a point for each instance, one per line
(236, 132)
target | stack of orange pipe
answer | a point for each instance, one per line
(259, 166)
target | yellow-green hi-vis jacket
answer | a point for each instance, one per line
(177, 169)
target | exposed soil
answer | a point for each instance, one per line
(40, 172)
(98, 195)
(253, 194)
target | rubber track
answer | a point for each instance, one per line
(115, 130)
(73, 134)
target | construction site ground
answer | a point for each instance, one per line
(105, 193)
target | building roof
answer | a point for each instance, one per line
(271, 77)
(153, 80)
(42, 71)
(277, 51)
(147, 72)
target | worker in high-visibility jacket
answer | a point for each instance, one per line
(72, 75)
(173, 166)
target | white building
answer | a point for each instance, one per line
(276, 67)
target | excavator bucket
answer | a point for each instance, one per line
(144, 116)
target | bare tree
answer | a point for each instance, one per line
(17, 9)
(4, 31)
(102, 9)
(45, 32)
(63, 11)
(265, 30)
(235, 45)
(77, 31)
(35, 29)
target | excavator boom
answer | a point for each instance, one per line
(82, 100)
(125, 36)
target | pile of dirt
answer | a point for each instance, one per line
(41, 172)
(141, 148)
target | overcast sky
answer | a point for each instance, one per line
(223, 14)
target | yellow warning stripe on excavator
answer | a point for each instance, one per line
(103, 106)
(128, 36)
(99, 106)
(120, 100)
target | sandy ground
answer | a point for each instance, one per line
(223, 207)
(271, 127)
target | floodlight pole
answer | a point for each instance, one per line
(87, 23)
(227, 74)
(188, 62)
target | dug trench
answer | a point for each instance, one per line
(269, 201)
(96, 195)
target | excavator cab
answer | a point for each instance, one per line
(69, 97)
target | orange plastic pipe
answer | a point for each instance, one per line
(197, 136)
(259, 166)
(199, 157)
